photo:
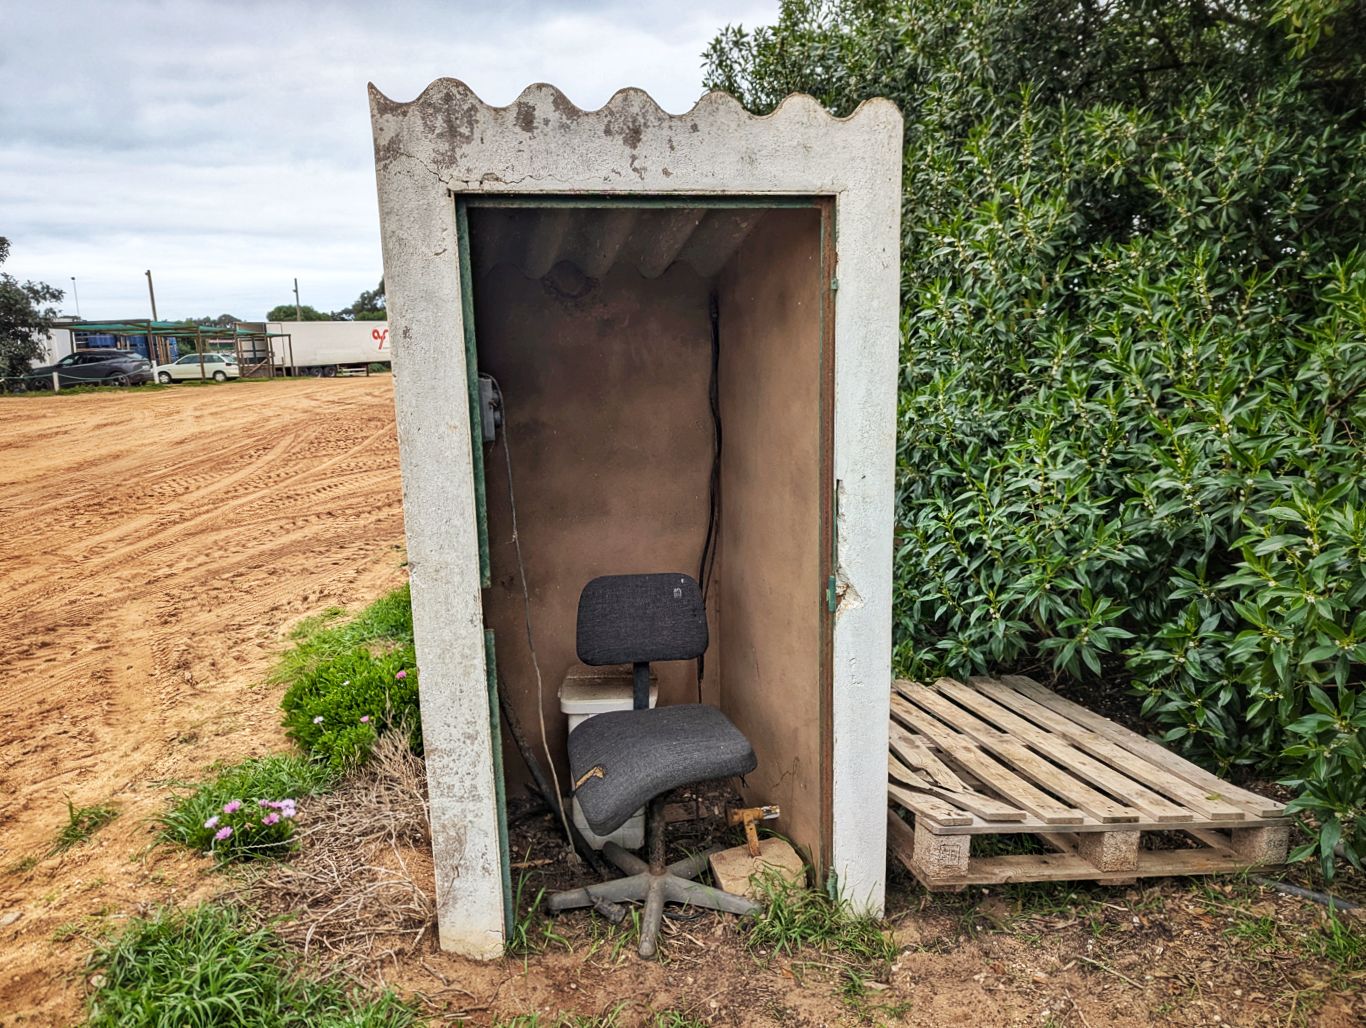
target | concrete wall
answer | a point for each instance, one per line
(448, 143)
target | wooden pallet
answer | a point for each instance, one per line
(1007, 756)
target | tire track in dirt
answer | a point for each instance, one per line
(119, 627)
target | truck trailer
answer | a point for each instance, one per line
(328, 348)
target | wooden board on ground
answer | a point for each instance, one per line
(965, 757)
(735, 871)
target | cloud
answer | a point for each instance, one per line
(227, 145)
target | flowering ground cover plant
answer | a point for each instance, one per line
(248, 810)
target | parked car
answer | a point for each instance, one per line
(218, 366)
(95, 367)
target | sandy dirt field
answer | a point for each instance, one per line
(155, 548)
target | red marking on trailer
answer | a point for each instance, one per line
(380, 335)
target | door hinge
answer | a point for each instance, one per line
(831, 599)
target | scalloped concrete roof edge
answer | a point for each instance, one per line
(378, 97)
(461, 139)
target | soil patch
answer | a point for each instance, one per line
(155, 548)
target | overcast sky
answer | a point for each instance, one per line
(226, 145)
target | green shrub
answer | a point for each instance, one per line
(350, 681)
(248, 810)
(1133, 395)
(207, 967)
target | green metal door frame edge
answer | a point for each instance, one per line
(472, 373)
(499, 784)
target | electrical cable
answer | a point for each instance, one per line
(708, 559)
(553, 802)
(526, 609)
(1330, 901)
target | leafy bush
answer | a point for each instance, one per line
(351, 681)
(247, 811)
(1133, 396)
(206, 966)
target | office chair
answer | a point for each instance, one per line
(624, 759)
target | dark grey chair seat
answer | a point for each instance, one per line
(620, 760)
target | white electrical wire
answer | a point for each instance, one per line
(526, 607)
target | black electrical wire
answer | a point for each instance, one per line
(707, 562)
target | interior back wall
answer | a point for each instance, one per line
(607, 419)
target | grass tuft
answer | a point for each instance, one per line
(794, 917)
(206, 966)
(82, 823)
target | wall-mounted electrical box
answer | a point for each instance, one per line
(628, 281)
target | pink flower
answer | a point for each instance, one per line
(211, 822)
(232, 807)
(318, 720)
(223, 833)
(270, 819)
(263, 804)
(401, 675)
(365, 720)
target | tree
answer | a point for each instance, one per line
(222, 321)
(369, 306)
(26, 317)
(1133, 400)
(288, 312)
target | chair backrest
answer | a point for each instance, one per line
(634, 619)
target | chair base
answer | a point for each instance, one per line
(654, 888)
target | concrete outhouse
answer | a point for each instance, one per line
(687, 325)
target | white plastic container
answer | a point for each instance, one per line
(585, 693)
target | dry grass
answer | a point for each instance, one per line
(359, 891)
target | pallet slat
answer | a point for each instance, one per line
(1098, 745)
(1044, 774)
(1063, 867)
(922, 804)
(916, 754)
(985, 807)
(1154, 806)
(965, 757)
(1010, 786)
(1258, 806)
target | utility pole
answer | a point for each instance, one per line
(76, 295)
(151, 339)
(298, 311)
